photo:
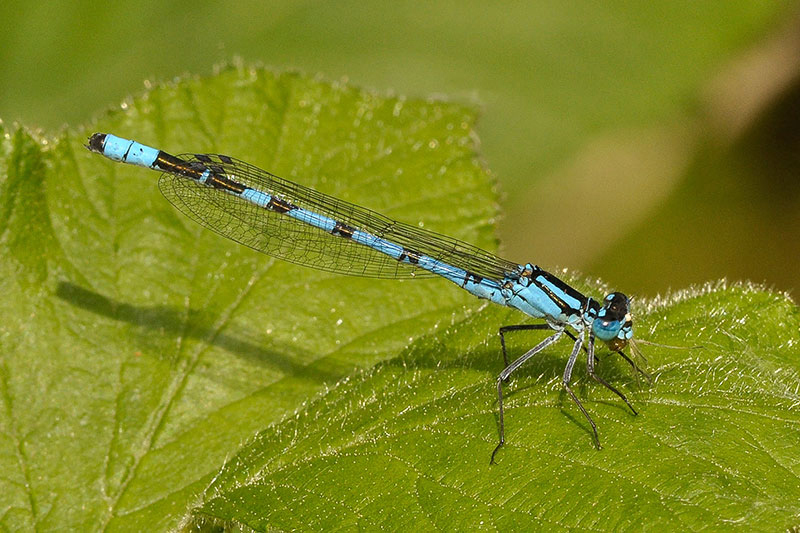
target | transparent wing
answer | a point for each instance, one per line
(283, 237)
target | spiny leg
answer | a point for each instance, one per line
(519, 327)
(574, 338)
(601, 381)
(507, 372)
(568, 376)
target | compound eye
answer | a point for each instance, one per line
(615, 307)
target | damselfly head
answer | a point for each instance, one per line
(613, 323)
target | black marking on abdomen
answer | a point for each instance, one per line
(280, 206)
(225, 159)
(203, 157)
(343, 230)
(179, 167)
(219, 181)
(411, 255)
(472, 276)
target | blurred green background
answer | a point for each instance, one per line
(652, 145)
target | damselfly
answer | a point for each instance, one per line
(300, 225)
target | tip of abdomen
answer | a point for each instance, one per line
(96, 142)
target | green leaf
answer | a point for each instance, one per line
(154, 374)
(407, 443)
(139, 351)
